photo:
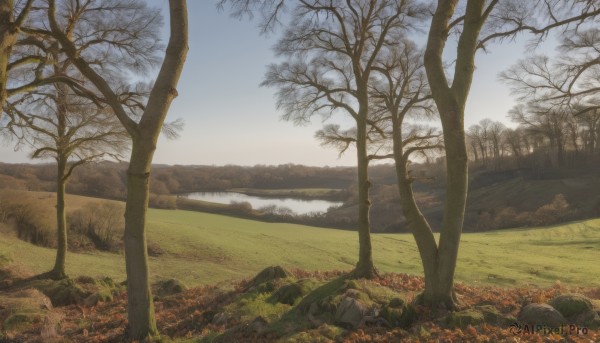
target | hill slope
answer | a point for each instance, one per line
(204, 248)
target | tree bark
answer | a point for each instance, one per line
(8, 37)
(58, 272)
(365, 267)
(140, 305)
(450, 101)
(144, 136)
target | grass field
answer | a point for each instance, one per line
(203, 248)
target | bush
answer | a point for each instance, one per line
(103, 223)
(165, 202)
(555, 212)
(241, 207)
(32, 219)
(506, 218)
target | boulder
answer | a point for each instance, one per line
(350, 313)
(65, 292)
(169, 287)
(541, 314)
(288, 294)
(571, 305)
(269, 274)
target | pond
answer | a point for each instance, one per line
(298, 206)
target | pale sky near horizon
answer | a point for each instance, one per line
(229, 119)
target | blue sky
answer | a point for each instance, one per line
(229, 119)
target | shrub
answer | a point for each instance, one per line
(555, 212)
(506, 218)
(165, 202)
(103, 223)
(32, 219)
(241, 207)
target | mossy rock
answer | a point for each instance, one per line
(269, 274)
(265, 287)
(570, 305)
(465, 318)
(392, 315)
(396, 303)
(542, 314)
(169, 287)
(64, 292)
(495, 317)
(290, 293)
(352, 284)
(397, 313)
(21, 321)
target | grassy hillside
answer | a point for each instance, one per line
(202, 248)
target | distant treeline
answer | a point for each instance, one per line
(505, 191)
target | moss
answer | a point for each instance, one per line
(269, 274)
(290, 293)
(251, 305)
(62, 293)
(169, 287)
(494, 317)
(465, 318)
(21, 321)
(571, 304)
(324, 333)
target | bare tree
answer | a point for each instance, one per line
(476, 25)
(129, 36)
(71, 130)
(332, 48)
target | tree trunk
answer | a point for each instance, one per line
(365, 267)
(58, 272)
(8, 37)
(140, 307)
(450, 101)
(441, 292)
(415, 220)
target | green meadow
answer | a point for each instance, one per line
(200, 248)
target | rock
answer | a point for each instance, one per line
(269, 274)
(570, 305)
(258, 325)
(169, 287)
(65, 292)
(494, 317)
(465, 318)
(288, 294)
(541, 314)
(352, 293)
(396, 303)
(350, 313)
(393, 316)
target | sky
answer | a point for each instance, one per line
(229, 119)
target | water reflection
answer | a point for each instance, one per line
(298, 206)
